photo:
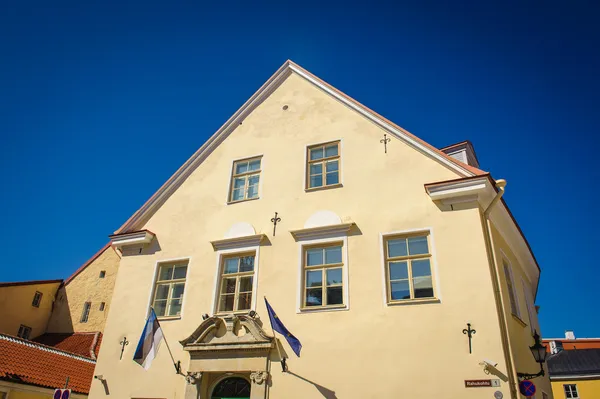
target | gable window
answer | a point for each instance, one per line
(102, 305)
(323, 276)
(323, 165)
(512, 294)
(236, 283)
(571, 391)
(37, 299)
(102, 274)
(24, 332)
(245, 179)
(168, 293)
(86, 312)
(408, 267)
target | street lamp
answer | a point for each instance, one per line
(539, 354)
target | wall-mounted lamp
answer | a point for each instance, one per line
(539, 354)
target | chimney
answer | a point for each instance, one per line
(464, 152)
(569, 334)
(555, 347)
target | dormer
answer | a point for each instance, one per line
(463, 151)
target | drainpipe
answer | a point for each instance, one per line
(493, 262)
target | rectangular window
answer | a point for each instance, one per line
(512, 294)
(245, 179)
(168, 293)
(323, 276)
(37, 299)
(24, 332)
(323, 165)
(102, 305)
(571, 391)
(102, 274)
(237, 278)
(86, 312)
(530, 307)
(408, 267)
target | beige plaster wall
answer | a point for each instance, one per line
(16, 307)
(369, 351)
(87, 286)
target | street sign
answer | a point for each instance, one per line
(527, 388)
(478, 383)
(62, 394)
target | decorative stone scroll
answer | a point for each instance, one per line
(258, 377)
(193, 378)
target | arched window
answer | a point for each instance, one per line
(233, 387)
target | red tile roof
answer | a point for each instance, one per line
(81, 343)
(30, 363)
(30, 282)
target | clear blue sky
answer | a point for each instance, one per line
(100, 103)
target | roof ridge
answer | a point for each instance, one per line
(31, 282)
(87, 263)
(43, 347)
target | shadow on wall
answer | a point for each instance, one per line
(60, 319)
(327, 393)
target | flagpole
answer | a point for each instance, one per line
(276, 344)
(177, 364)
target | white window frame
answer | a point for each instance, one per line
(84, 313)
(576, 391)
(231, 179)
(155, 279)
(514, 287)
(340, 166)
(24, 327)
(223, 253)
(434, 266)
(533, 320)
(315, 242)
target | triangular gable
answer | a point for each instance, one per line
(88, 262)
(165, 191)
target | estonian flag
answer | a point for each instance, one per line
(149, 343)
(280, 328)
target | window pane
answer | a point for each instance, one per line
(314, 257)
(333, 255)
(253, 180)
(180, 272)
(417, 245)
(177, 290)
(331, 150)
(254, 165)
(241, 167)
(316, 169)
(332, 166)
(314, 278)
(334, 276)
(398, 270)
(423, 287)
(162, 291)
(246, 263)
(160, 307)
(316, 181)
(314, 297)
(228, 286)
(166, 273)
(175, 307)
(231, 265)
(421, 268)
(237, 195)
(253, 191)
(239, 182)
(334, 296)
(226, 303)
(246, 284)
(400, 290)
(316, 153)
(397, 247)
(245, 301)
(333, 178)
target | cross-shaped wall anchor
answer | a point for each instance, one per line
(123, 343)
(384, 141)
(274, 221)
(469, 331)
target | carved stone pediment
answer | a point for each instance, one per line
(232, 332)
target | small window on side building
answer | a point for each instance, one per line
(102, 304)
(37, 299)
(86, 312)
(24, 332)
(102, 273)
(571, 391)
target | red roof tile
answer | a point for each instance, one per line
(27, 362)
(81, 343)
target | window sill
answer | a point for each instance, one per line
(308, 190)
(244, 200)
(168, 318)
(404, 302)
(231, 312)
(518, 320)
(333, 308)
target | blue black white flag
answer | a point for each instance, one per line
(280, 328)
(149, 343)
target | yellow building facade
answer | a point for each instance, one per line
(583, 387)
(25, 307)
(384, 250)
